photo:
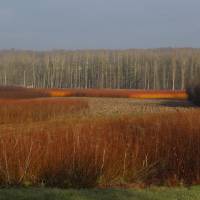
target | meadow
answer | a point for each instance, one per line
(83, 142)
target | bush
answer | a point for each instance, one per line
(194, 94)
(153, 149)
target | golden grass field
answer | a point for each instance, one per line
(59, 141)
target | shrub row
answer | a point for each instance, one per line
(38, 110)
(20, 92)
(154, 149)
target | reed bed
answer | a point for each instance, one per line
(55, 142)
(158, 149)
(40, 109)
(14, 92)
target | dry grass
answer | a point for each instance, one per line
(12, 92)
(82, 152)
(64, 143)
(40, 109)
(122, 93)
(126, 106)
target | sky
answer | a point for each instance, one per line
(94, 24)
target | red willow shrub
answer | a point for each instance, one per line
(13, 92)
(24, 93)
(31, 110)
(152, 149)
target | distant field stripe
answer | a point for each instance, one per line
(20, 92)
(141, 94)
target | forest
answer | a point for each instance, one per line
(156, 69)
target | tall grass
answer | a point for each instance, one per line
(14, 92)
(153, 149)
(32, 110)
(42, 144)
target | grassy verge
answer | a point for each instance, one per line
(99, 194)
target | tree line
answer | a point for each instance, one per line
(131, 69)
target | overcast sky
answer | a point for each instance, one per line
(79, 24)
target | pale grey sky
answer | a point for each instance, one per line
(79, 24)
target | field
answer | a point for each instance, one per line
(192, 193)
(84, 141)
(21, 92)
